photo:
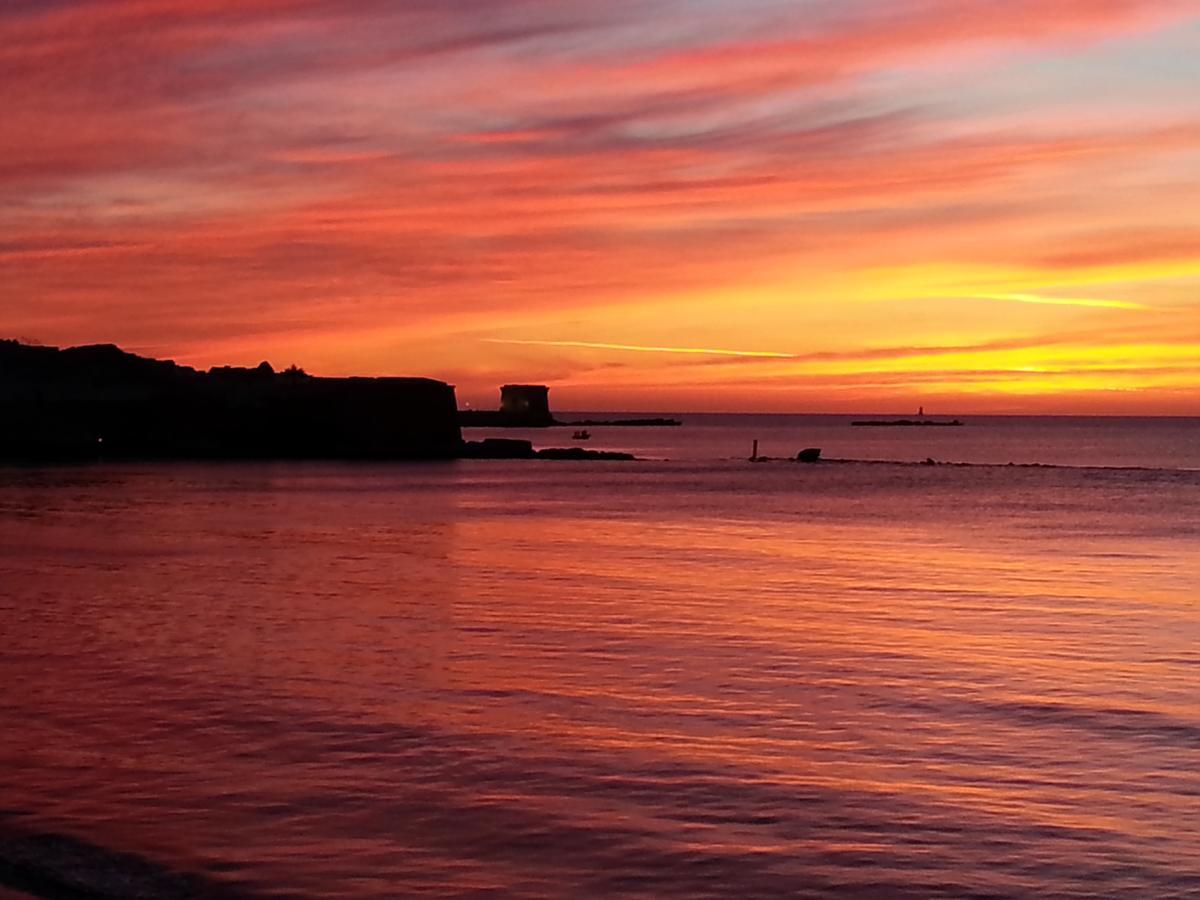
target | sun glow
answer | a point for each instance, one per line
(592, 345)
(775, 212)
(1065, 301)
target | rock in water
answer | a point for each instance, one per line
(497, 448)
(809, 455)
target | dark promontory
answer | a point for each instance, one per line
(101, 402)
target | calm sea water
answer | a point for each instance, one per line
(1045, 440)
(687, 677)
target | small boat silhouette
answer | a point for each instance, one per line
(581, 435)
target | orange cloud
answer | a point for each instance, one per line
(356, 186)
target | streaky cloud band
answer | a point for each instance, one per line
(1065, 301)
(637, 348)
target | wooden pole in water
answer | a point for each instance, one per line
(754, 452)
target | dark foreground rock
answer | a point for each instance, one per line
(99, 402)
(52, 865)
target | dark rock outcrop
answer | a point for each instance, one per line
(809, 455)
(42, 863)
(101, 402)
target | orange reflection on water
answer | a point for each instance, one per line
(294, 674)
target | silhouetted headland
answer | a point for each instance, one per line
(100, 402)
(54, 864)
(528, 406)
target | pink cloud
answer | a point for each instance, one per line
(184, 173)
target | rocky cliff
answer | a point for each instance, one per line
(99, 401)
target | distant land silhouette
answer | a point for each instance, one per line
(100, 402)
(528, 406)
(91, 401)
(906, 423)
(521, 406)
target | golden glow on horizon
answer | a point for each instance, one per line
(1065, 301)
(592, 345)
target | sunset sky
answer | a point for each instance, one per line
(808, 205)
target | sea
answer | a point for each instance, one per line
(687, 676)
